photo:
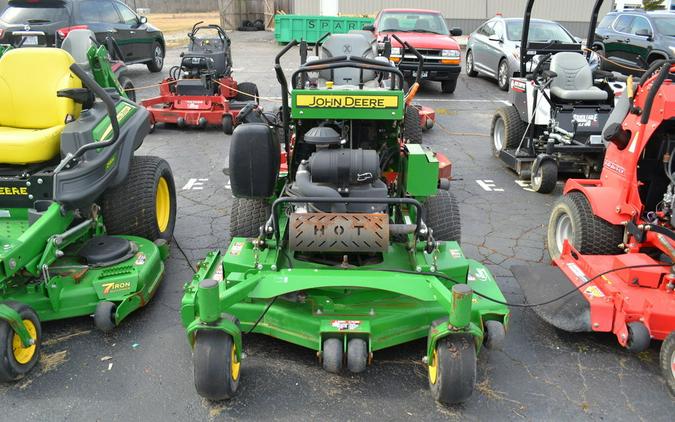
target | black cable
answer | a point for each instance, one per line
(525, 305)
(175, 241)
(262, 315)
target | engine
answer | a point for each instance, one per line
(332, 171)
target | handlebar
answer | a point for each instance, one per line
(665, 71)
(90, 83)
(537, 68)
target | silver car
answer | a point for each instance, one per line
(494, 48)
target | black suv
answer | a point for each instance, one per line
(138, 41)
(635, 38)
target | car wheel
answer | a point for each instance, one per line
(157, 62)
(503, 75)
(469, 64)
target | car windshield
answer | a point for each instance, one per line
(19, 12)
(539, 32)
(432, 23)
(665, 25)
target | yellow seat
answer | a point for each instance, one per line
(32, 117)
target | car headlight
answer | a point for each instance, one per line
(450, 53)
(396, 51)
(672, 50)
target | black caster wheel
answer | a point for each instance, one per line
(452, 370)
(16, 360)
(638, 337)
(228, 124)
(104, 317)
(494, 335)
(357, 355)
(216, 367)
(332, 355)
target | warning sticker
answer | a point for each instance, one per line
(577, 271)
(140, 258)
(218, 273)
(345, 325)
(594, 291)
(455, 253)
(236, 248)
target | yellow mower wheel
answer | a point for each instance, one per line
(16, 360)
(217, 370)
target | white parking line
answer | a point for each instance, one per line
(489, 186)
(195, 184)
(526, 185)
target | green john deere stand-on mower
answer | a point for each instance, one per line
(347, 242)
(84, 224)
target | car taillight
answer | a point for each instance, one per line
(63, 32)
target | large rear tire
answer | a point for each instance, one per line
(15, 359)
(572, 218)
(443, 216)
(128, 87)
(248, 91)
(412, 131)
(507, 129)
(247, 216)
(667, 360)
(145, 204)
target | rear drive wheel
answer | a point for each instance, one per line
(157, 62)
(449, 86)
(443, 216)
(332, 355)
(104, 317)
(572, 218)
(144, 205)
(248, 91)
(228, 124)
(667, 359)
(412, 131)
(247, 216)
(452, 370)
(16, 360)
(503, 75)
(545, 178)
(216, 367)
(128, 87)
(507, 129)
(469, 64)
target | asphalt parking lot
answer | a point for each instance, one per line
(143, 369)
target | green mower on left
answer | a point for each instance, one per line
(84, 224)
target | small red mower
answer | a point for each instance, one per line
(201, 91)
(612, 239)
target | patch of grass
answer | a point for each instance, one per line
(181, 22)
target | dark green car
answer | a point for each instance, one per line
(631, 40)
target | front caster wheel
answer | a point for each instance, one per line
(638, 337)
(494, 334)
(452, 370)
(332, 356)
(357, 355)
(16, 360)
(545, 178)
(104, 317)
(228, 124)
(216, 366)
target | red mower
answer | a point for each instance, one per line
(612, 240)
(201, 91)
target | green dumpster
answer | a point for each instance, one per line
(311, 28)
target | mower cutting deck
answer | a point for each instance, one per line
(201, 91)
(347, 242)
(84, 224)
(613, 239)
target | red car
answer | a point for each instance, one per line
(427, 32)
